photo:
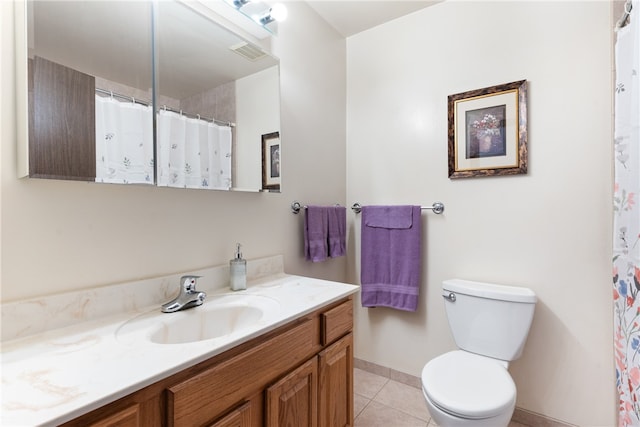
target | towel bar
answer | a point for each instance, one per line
(296, 207)
(437, 207)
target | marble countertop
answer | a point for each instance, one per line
(57, 375)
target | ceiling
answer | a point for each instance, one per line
(350, 17)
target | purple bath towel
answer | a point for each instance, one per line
(337, 225)
(391, 256)
(325, 229)
(316, 233)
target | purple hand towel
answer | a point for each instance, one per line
(337, 225)
(391, 256)
(316, 233)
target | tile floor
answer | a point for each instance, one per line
(381, 402)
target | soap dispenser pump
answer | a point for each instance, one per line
(238, 271)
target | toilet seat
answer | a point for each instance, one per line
(468, 386)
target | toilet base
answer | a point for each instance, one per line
(444, 419)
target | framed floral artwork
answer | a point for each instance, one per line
(271, 161)
(488, 131)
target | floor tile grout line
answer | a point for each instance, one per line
(404, 412)
(386, 382)
(383, 385)
(363, 408)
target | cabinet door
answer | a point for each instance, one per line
(292, 401)
(335, 394)
(239, 417)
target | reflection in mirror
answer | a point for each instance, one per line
(91, 76)
(217, 94)
(257, 11)
(90, 82)
(271, 161)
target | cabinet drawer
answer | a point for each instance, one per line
(207, 395)
(129, 417)
(239, 417)
(336, 322)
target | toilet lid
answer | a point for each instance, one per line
(468, 385)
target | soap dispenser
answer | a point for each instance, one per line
(238, 271)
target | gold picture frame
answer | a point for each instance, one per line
(488, 131)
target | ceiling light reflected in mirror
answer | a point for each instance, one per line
(261, 13)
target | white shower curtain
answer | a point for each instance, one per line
(124, 142)
(626, 239)
(193, 153)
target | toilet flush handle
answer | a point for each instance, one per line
(451, 297)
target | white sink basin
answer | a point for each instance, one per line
(219, 316)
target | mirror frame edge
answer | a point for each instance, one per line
(21, 88)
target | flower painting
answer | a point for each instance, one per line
(486, 132)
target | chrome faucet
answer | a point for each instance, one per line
(188, 296)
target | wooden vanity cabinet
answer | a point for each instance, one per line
(292, 401)
(299, 375)
(144, 408)
(335, 384)
(241, 416)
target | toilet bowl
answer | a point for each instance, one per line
(463, 389)
(472, 386)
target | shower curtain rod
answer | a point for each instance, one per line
(625, 15)
(199, 117)
(164, 107)
(124, 97)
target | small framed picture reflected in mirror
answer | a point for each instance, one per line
(271, 161)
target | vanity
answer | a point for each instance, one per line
(282, 355)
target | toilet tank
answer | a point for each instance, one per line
(487, 319)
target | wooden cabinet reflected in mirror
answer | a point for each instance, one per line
(62, 122)
(91, 85)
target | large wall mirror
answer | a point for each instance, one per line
(143, 93)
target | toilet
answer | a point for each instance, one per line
(472, 386)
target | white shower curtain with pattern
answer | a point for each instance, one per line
(193, 153)
(124, 142)
(626, 239)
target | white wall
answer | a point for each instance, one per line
(549, 230)
(60, 236)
